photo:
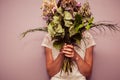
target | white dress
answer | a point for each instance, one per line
(86, 42)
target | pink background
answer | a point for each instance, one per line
(23, 59)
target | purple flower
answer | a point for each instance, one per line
(45, 18)
(78, 4)
(67, 8)
(54, 9)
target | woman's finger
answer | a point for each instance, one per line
(70, 46)
(68, 49)
(67, 55)
(66, 52)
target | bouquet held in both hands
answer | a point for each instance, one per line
(66, 21)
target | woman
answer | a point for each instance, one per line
(82, 57)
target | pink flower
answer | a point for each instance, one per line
(53, 10)
(78, 4)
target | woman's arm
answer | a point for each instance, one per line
(53, 66)
(84, 66)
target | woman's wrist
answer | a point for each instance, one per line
(76, 56)
(61, 55)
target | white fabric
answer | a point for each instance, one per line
(86, 42)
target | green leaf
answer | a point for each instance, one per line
(67, 15)
(78, 41)
(75, 13)
(59, 31)
(88, 26)
(91, 20)
(60, 11)
(77, 37)
(78, 20)
(72, 31)
(56, 19)
(58, 44)
(79, 27)
(51, 29)
(68, 23)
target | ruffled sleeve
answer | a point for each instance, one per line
(47, 42)
(88, 39)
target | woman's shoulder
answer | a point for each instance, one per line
(47, 42)
(86, 34)
(47, 36)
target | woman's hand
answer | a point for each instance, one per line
(84, 65)
(68, 51)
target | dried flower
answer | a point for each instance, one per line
(48, 7)
(85, 10)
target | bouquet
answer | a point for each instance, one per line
(66, 21)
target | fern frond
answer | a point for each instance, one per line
(101, 26)
(33, 30)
